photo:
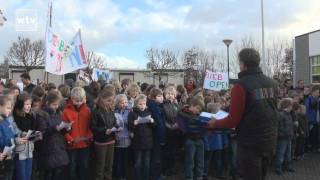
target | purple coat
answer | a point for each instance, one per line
(53, 147)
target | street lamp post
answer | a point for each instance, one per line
(227, 42)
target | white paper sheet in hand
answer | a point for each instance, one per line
(29, 133)
(64, 125)
(7, 151)
(219, 115)
(114, 129)
(142, 120)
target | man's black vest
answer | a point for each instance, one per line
(258, 127)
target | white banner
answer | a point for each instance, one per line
(62, 57)
(216, 81)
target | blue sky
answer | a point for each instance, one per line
(122, 30)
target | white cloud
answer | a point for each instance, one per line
(120, 62)
(201, 23)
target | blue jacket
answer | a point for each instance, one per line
(6, 133)
(158, 116)
(312, 107)
(215, 141)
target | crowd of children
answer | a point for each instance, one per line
(129, 131)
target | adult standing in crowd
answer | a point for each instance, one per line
(190, 86)
(26, 80)
(312, 112)
(300, 85)
(253, 112)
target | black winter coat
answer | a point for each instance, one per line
(285, 128)
(170, 111)
(142, 133)
(101, 121)
(52, 149)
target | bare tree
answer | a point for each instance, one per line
(26, 53)
(162, 60)
(94, 61)
(279, 58)
(197, 61)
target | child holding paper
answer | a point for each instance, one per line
(26, 123)
(103, 126)
(122, 137)
(142, 139)
(53, 151)
(188, 121)
(80, 136)
(214, 144)
(7, 135)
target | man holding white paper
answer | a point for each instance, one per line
(253, 112)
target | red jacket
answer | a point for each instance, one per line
(81, 119)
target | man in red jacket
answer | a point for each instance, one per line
(253, 112)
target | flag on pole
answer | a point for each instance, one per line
(62, 57)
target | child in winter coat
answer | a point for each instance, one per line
(173, 135)
(188, 121)
(80, 136)
(122, 137)
(53, 153)
(26, 122)
(103, 126)
(214, 143)
(7, 137)
(159, 137)
(302, 131)
(285, 135)
(141, 129)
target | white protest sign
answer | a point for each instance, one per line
(216, 81)
(62, 57)
(96, 73)
(83, 76)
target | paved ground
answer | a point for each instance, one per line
(306, 169)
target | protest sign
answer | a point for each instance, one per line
(83, 76)
(216, 81)
(97, 73)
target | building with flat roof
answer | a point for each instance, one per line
(175, 76)
(306, 58)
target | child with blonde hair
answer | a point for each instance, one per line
(173, 135)
(132, 91)
(80, 136)
(122, 137)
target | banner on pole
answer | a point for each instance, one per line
(62, 57)
(99, 73)
(216, 81)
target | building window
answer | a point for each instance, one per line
(315, 69)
